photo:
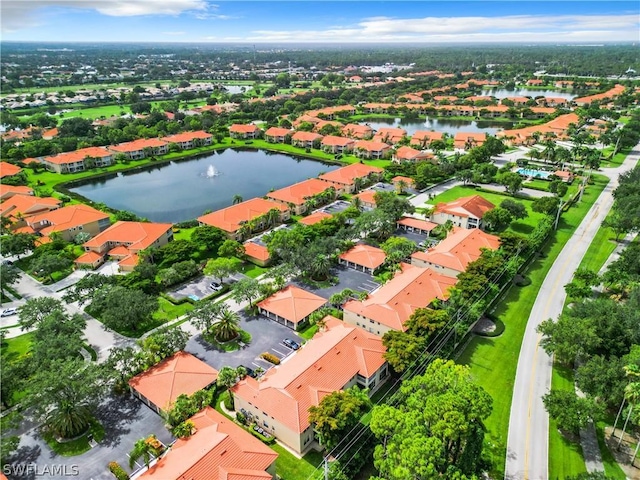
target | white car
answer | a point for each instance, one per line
(215, 286)
(8, 312)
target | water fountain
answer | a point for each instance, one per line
(211, 172)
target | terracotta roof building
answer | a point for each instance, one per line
(76, 161)
(231, 219)
(8, 191)
(187, 140)
(367, 198)
(346, 178)
(218, 450)
(389, 135)
(337, 358)
(291, 306)
(424, 138)
(244, 131)
(363, 257)
(451, 256)
(134, 236)
(277, 134)
(69, 221)
(389, 307)
(19, 207)
(257, 253)
(417, 225)
(355, 130)
(314, 218)
(9, 169)
(179, 374)
(408, 154)
(371, 149)
(465, 212)
(467, 140)
(305, 139)
(334, 144)
(296, 196)
(138, 149)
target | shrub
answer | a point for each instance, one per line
(271, 358)
(228, 402)
(118, 471)
(241, 418)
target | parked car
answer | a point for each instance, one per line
(291, 343)
(215, 286)
(8, 312)
(250, 371)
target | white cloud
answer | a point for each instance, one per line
(173, 33)
(509, 28)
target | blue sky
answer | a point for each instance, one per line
(312, 21)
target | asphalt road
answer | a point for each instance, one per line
(528, 440)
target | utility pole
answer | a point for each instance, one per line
(326, 469)
(555, 225)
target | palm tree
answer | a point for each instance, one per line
(141, 449)
(237, 198)
(402, 185)
(320, 267)
(272, 217)
(356, 202)
(69, 419)
(244, 230)
(632, 395)
(227, 327)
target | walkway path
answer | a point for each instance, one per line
(528, 439)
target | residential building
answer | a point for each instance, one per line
(244, 131)
(367, 198)
(180, 374)
(352, 177)
(277, 134)
(408, 154)
(608, 95)
(123, 241)
(305, 139)
(79, 160)
(8, 191)
(389, 135)
(300, 196)
(363, 257)
(336, 358)
(564, 175)
(452, 255)
(232, 219)
(467, 140)
(333, 144)
(377, 107)
(389, 307)
(257, 253)
(142, 148)
(218, 449)
(19, 207)
(9, 169)
(187, 140)
(314, 218)
(355, 130)
(371, 149)
(465, 212)
(416, 225)
(423, 138)
(402, 183)
(70, 221)
(291, 306)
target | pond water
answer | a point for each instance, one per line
(524, 92)
(179, 191)
(438, 124)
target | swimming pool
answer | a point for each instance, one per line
(533, 173)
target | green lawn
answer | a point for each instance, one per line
(252, 270)
(493, 361)
(77, 446)
(617, 160)
(600, 249)
(183, 233)
(288, 467)
(16, 347)
(309, 332)
(565, 455)
(611, 467)
(167, 311)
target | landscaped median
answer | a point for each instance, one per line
(493, 361)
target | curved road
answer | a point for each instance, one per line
(528, 440)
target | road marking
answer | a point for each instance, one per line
(278, 351)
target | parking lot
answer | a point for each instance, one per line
(347, 278)
(413, 236)
(198, 288)
(266, 336)
(335, 207)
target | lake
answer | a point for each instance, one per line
(178, 191)
(523, 92)
(438, 124)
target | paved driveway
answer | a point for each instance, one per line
(347, 278)
(125, 420)
(199, 287)
(266, 336)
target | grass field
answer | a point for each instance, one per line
(16, 347)
(611, 467)
(565, 455)
(493, 361)
(289, 467)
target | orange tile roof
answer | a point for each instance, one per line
(299, 192)
(393, 303)
(613, 92)
(417, 223)
(179, 374)
(66, 218)
(9, 190)
(367, 196)
(130, 261)
(357, 130)
(563, 174)
(52, 132)
(347, 175)
(137, 145)
(278, 132)
(136, 235)
(407, 180)
(371, 146)
(119, 251)
(392, 135)
(78, 155)
(424, 135)
(477, 137)
(239, 128)
(332, 140)
(306, 136)
(408, 153)
(365, 256)
(27, 205)
(475, 206)
(8, 169)
(545, 110)
(259, 252)
(314, 218)
(187, 136)
(218, 450)
(324, 365)
(229, 219)
(88, 258)
(292, 303)
(25, 229)
(459, 249)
